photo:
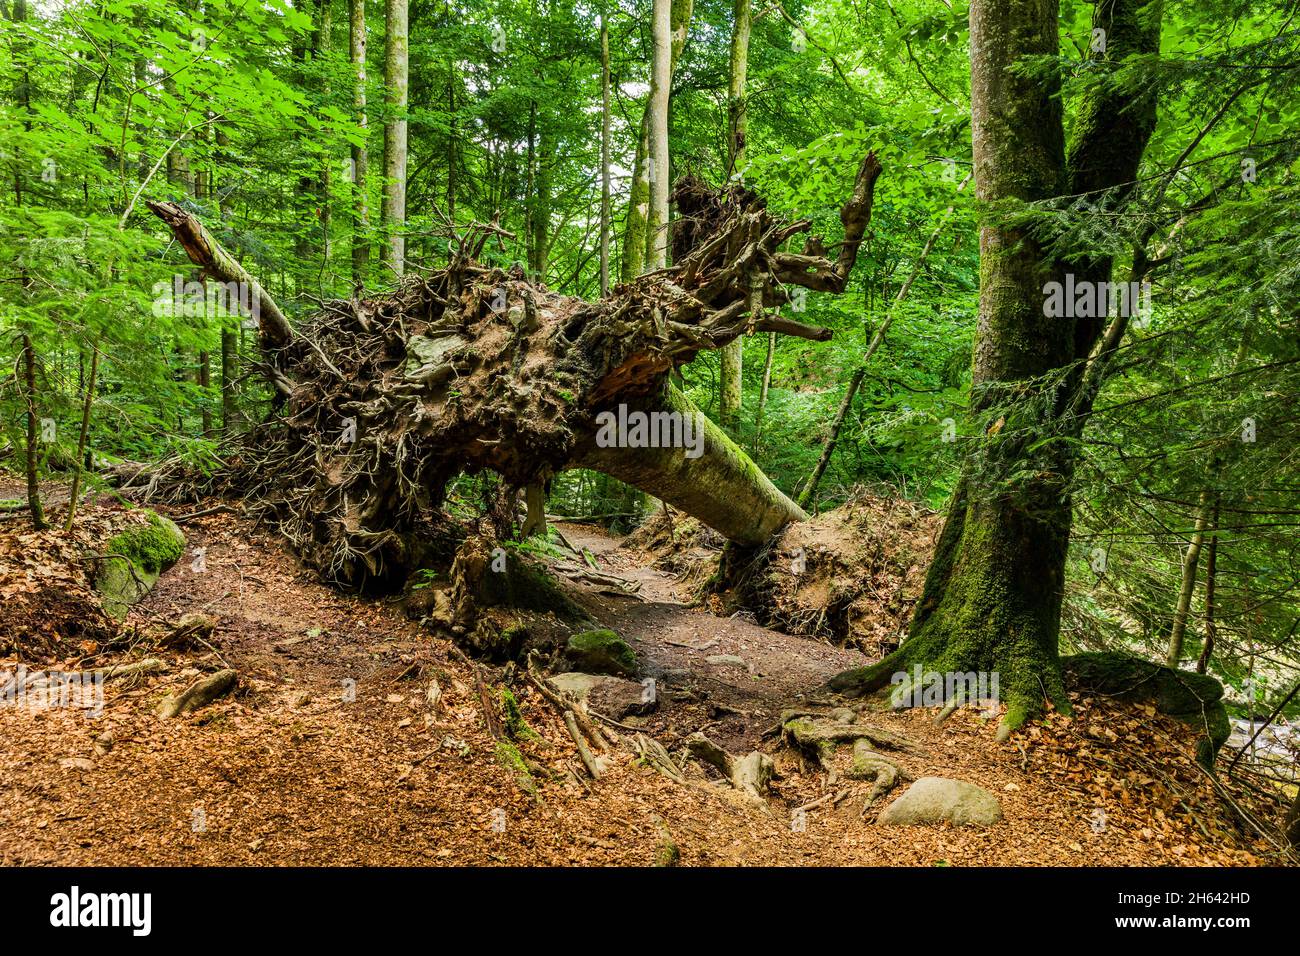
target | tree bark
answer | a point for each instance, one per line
(360, 153)
(993, 593)
(729, 389)
(660, 83)
(29, 395)
(638, 206)
(1211, 582)
(722, 487)
(393, 210)
(604, 153)
(229, 375)
(87, 403)
(1191, 562)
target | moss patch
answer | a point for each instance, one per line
(601, 652)
(513, 760)
(516, 726)
(138, 557)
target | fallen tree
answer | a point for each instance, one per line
(383, 401)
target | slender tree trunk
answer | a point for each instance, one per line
(393, 211)
(762, 394)
(660, 86)
(324, 37)
(1191, 561)
(360, 152)
(540, 244)
(205, 383)
(229, 376)
(637, 236)
(732, 357)
(638, 206)
(604, 154)
(29, 394)
(1211, 582)
(86, 405)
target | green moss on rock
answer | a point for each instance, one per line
(139, 556)
(1194, 699)
(601, 652)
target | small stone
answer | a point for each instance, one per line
(727, 659)
(77, 763)
(940, 800)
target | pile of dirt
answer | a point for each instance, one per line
(677, 544)
(851, 575)
(48, 606)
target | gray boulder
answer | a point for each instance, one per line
(940, 800)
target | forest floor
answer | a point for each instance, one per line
(293, 770)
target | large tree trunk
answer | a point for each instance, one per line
(29, 398)
(721, 486)
(474, 368)
(992, 597)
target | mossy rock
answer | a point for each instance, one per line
(601, 652)
(1195, 699)
(140, 556)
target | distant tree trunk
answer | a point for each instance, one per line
(451, 140)
(360, 152)
(29, 394)
(637, 239)
(540, 242)
(638, 206)
(324, 215)
(1211, 575)
(86, 405)
(1191, 561)
(762, 394)
(661, 78)
(393, 211)
(229, 376)
(732, 357)
(604, 154)
(204, 381)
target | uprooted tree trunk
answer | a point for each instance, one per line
(473, 367)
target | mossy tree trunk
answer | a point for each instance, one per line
(721, 486)
(993, 593)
